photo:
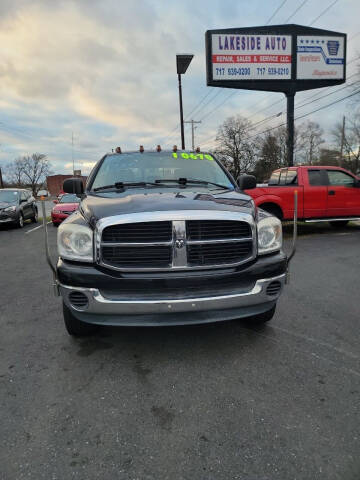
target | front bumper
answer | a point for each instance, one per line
(169, 299)
(172, 311)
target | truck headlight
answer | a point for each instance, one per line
(75, 242)
(10, 209)
(269, 235)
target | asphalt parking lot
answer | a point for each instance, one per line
(214, 402)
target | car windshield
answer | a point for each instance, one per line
(69, 198)
(9, 196)
(152, 166)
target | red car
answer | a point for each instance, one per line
(65, 206)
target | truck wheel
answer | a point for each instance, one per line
(261, 318)
(339, 224)
(74, 326)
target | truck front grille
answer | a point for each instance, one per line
(218, 253)
(216, 229)
(176, 244)
(135, 257)
(138, 232)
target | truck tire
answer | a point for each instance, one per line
(273, 209)
(74, 326)
(261, 318)
(339, 224)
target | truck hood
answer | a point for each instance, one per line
(95, 207)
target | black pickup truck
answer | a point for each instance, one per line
(166, 238)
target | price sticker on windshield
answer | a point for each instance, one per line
(193, 156)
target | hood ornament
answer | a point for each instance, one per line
(179, 243)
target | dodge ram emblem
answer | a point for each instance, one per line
(180, 243)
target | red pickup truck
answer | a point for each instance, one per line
(324, 194)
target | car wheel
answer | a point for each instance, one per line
(261, 318)
(35, 217)
(339, 224)
(20, 222)
(74, 326)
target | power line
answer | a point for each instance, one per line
(323, 12)
(276, 11)
(296, 10)
(222, 103)
(307, 114)
(304, 115)
(197, 106)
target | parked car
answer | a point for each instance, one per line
(43, 193)
(65, 206)
(16, 206)
(330, 194)
(166, 238)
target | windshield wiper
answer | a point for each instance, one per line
(185, 181)
(123, 185)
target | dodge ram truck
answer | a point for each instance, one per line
(166, 238)
(324, 194)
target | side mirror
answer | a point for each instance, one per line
(73, 185)
(55, 201)
(247, 182)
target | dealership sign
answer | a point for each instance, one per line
(320, 57)
(285, 58)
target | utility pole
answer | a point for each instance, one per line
(290, 96)
(192, 131)
(342, 142)
(1, 180)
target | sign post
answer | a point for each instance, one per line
(281, 58)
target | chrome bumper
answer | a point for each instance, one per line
(100, 305)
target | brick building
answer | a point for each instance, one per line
(55, 182)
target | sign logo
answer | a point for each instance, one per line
(179, 243)
(333, 47)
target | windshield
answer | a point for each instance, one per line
(9, 196)
(69, 198)
(152, 166)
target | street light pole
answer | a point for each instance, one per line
(182, 63)
(181, 114)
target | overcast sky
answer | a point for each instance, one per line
(105, 70)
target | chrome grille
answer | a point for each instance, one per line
(216, 229)
(218, 253)
(192, 239)
(138, 232)
(146, 256)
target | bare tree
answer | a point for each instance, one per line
(35, 170)
(234, 148)
(14, 173)
(351, 145)
(270, 157)
(29, 170)
(310, 137)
